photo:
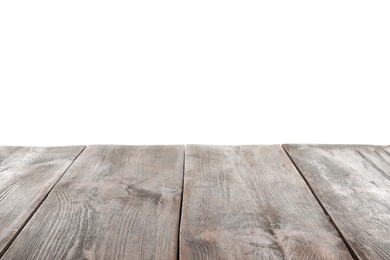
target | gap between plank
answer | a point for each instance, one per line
(37, 207)
(323, 207)
(181, 203)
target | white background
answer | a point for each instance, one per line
(180, 72)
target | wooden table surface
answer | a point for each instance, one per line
(195, 202)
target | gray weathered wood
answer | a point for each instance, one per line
(26, 176)
(353, 184)
(115, 202)
(249, 202)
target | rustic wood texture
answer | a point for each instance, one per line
(249, 202)
(115, 202)
(352, 182)
(27, 174)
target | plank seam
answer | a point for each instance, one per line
(10, 242)
(181, 204)
(351, 251)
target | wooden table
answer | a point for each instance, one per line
(195, 202)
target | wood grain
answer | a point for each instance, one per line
(115, 202)
(353, 184)
(249, 202)
(26, 176)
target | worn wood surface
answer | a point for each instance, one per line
(353, 184)
(115, 202)
(26, 176)
(249, 202)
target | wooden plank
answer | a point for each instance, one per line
(115, 202)
(27, 174)
(353, 184)
(249, 202)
